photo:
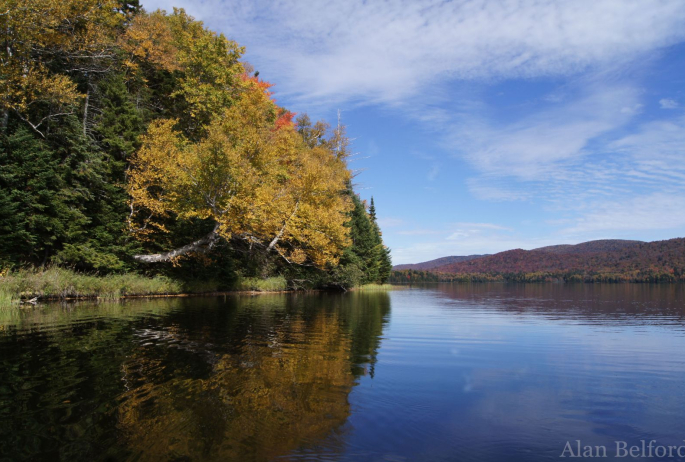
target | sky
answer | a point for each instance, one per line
(480, 126)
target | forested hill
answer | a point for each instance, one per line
(594, 260)
(602, 245)
(438, 262)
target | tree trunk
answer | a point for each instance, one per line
(280, 233)
(4, 119)
(85, 109)
(201, 245)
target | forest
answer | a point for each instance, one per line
(142, 142)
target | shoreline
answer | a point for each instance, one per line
(30, 287)
(24, 301)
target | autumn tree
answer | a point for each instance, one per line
(199, 68)
(47, 46)
(253, 176)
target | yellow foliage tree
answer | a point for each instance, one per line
(36, 34)
(252, 175)
(205, 63)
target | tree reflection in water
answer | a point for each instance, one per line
(277, 380)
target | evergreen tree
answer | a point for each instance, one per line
(120, 124)
(41, 210)
(385, 268)
(382, 256)
(372, 213)
(366, 260)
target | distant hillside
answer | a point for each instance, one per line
(593, 256)
(603, 245)
(604, 260)
(429, 265)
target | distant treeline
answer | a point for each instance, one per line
(648, 276)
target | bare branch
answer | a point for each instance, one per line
(280, 233)
(201, 245)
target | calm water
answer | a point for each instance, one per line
(440, 373)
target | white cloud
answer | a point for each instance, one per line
(572, 157)
(655, 211)
(655, 154)
(482, 226)
(389, 222)
(433, 172)
(417, 232)
(632, 110)
(483, 189)
(477, 231)
(537, 146)
(667, 103)
(388, 51)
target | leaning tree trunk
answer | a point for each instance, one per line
(4, 119)
(201, 245)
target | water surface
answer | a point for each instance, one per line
(436, 373)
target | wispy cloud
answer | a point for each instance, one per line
(418, 232)
(650, 212)
(538, 145)
(469, 231)
(433, 172)
(388, 51)
(487, 189)
(655, 154)
(577, 157)
(474, 227)
(667, 103)
(390, 222)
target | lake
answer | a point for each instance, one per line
(480, 372)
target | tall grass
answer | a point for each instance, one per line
(261, 285)
(7, 299)
(60, 283)
(377, 287)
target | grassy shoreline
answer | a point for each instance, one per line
(375, 287)
(63, 284)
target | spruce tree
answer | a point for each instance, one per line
(367, 260)
(41, 210)
(382, 253)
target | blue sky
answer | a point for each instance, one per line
(482, 126)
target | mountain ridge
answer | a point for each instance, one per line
(430, 264)
(606, 256)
